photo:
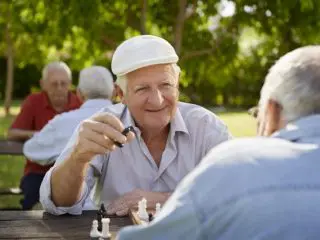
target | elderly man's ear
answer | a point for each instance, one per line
(116, 94)
(272, 119)
(119, 93)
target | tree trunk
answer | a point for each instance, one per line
(179, 25)
(10, 67)
(143, 18)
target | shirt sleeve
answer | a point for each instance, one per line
(25, 119)
(45, 188)
(45, 146)
(178, 219)
(215, 133)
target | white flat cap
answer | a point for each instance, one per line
(142, 51)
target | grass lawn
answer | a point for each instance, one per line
(11, 167)
(240, 124)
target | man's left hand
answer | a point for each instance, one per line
(121, 206)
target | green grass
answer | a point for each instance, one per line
(240, 124)
(11, 167)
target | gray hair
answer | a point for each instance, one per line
(294, 83)
(96, 82)
(56, 66)
(122, 80)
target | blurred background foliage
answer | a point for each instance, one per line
(225, 47)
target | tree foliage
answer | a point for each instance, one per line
(225, 47)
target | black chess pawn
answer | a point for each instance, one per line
(99, 218)
(102, 207)
(127, 130)
(150, 216)
(125, 133)
(103, 210)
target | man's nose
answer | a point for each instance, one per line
(156, 97)
(59, 86)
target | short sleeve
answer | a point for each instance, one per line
(216, 132)
(25, 119)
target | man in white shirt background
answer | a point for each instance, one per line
(95, 90)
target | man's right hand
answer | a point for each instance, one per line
(97, 135)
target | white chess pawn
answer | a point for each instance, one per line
(158, 208)
(144, 203)
(94, 233)
(142, 211)
(105, 228)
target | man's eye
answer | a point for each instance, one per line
(141, 89)
(166, 84)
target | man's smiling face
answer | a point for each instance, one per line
(152, 95)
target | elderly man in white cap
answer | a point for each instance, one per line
(168, 140)
(257, 188)
(95, 90)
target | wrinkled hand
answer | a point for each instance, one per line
(130, 200)
(97, 136)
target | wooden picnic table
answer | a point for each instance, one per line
(8, 147)
(41, 225)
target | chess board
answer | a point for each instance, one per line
(133, 214)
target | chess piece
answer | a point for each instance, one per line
(94, 233)
(99, 218)
(139, 208)
(142, 210)
(125, 133)
(158, 208)
(103, 210)
(150, 217)
(105, 228)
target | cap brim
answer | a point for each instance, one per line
(149, 62)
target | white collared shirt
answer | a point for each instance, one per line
(193, 132)
(45, 146)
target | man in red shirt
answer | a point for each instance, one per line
(35, 113)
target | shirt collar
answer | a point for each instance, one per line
(304, 127)
(96, 103)
(73, 101)
(178, 124)
(46, 102)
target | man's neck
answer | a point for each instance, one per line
(156, 142)
(151, 135)
(59, 107)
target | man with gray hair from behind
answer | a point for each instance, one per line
(95, 90)
(266, 187)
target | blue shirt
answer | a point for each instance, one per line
(45, 146)
(193, 132)
(254, 188)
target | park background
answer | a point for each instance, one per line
(225, 49)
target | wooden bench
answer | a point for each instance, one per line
(8, 147)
